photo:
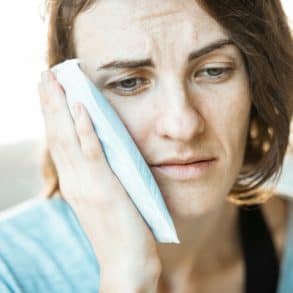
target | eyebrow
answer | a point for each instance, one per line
(117, 64)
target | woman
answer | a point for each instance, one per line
(192, 81)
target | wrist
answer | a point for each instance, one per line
(126, 286)
(132, 281)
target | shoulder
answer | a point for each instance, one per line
(38, 218)
(278, 212)
(41, 242)
(27, 210)
(278, 207)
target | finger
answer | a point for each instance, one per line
(89, 141)
(56, 111)
(60, 130)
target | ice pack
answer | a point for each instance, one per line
(120, 150)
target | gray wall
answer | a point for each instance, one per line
(20, 172)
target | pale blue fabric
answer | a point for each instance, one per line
(43, 249)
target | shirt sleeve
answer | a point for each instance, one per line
(8, 283)
(44, 249)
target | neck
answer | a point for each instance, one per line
(207, 243)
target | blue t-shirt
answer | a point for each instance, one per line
(44, 249)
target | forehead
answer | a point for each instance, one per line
(137, 26)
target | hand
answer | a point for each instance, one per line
(123, 243)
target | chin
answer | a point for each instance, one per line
(185, 205)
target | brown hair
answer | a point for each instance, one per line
(260, 30)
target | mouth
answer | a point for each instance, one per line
(185, 171)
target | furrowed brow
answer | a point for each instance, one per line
(130, 64)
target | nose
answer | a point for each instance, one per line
(179, 119)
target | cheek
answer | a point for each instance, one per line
(137, 117)
(228, 112)
(240, 114)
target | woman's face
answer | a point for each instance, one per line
(174, 106)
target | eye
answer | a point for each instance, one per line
(214, 73)
(128, 85)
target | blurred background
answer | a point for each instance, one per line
(22, 51)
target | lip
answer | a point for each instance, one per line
(178, 161)
(185, 171)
